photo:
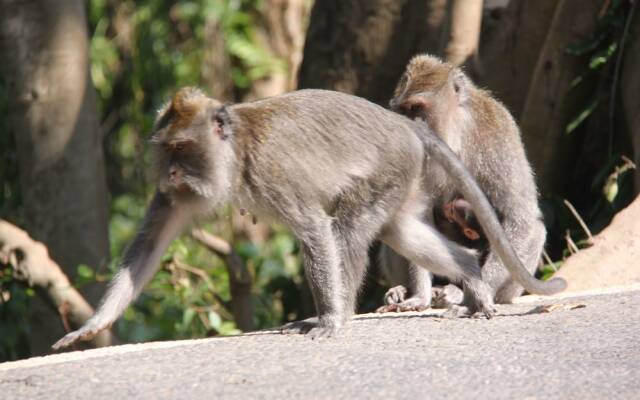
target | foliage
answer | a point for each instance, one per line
(141, 51)
(14, 296)
(14, 328)
(609, 171)
(10, 199)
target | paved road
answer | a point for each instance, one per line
(592, 352)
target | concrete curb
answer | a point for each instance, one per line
(131, 348)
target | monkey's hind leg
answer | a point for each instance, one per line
(322, 266)
(529, 249)
(426, 247)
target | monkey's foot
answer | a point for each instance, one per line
(310, 327)
(395, 295)
(478, 301)
(322, 332)
(299, 327)
(411, 304)
(447, 296)
(87, 332)
(460, 311)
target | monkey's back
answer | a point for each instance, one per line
(320, 143)
(497, 169)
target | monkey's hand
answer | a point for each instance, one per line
(396, 301)
(87, 332)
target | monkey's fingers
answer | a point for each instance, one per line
(67, 340)
(395, 295)
(449, 212)
(405, 306)
(388, 308)
(457, 311)
(299, 327)
(322, 332)
(85, 333)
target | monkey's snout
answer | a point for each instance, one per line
(175, 178)
(174, 175)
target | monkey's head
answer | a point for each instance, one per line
(191, 141)
(430, 89)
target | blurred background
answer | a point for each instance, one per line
(80, 82)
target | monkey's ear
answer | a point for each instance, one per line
(221, 123)
(163, 116)
(459, 82)
(399, 93)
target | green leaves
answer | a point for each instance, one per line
(603, 56)
(582, 116)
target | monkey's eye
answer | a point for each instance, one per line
(182, 146)
(415, 109)
(456, 87)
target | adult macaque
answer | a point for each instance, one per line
(338, 170)
(480, 130)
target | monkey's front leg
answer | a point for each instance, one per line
(407, 278)
(425, 246)
(161, 224)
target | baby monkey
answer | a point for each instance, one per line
(480, 130)
(458, 222)
(337, 170)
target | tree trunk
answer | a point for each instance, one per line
(54, 119)
(630, 85)
(509, 51)
(465, 19)
(363, 46)
(217, 63)
(550, 100)
(280, 28)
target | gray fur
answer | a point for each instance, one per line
(338, 170)
(483, 134)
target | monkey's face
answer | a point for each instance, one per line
(430, 90)
(188, 140)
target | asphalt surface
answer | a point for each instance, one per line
(587, 347)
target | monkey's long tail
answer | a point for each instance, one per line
(440, 151)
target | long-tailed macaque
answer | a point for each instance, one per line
(338, 170)
(480, 130)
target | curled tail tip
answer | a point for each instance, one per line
(555, 285)
(60, 344)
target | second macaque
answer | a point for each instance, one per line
(480, 130)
